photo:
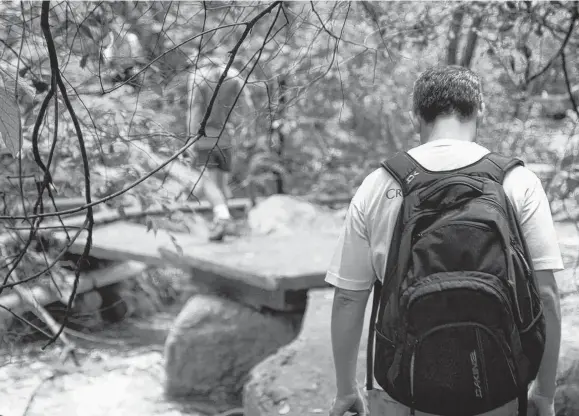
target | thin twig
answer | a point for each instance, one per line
(26, 321)
(568, 84)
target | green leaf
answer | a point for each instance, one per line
(10, 127)
(152, 225)
(177, 246)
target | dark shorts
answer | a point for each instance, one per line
(217, 158)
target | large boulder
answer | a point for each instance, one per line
(215, 342)
(299, 379)
(285, 214)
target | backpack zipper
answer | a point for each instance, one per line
(528, 275)
(522, 257)
(446, 223)
(495, 204)
(440, 186)
(483, 362)
(486, 201)
(412, 361)
(484, 282)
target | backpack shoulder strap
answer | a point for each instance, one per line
(408, 172)
(493, 166)
(400, 166)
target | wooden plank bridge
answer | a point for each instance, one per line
(262, 271)
(265, 271)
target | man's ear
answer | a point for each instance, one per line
(481, 113)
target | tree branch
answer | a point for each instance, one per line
(57, 81)
(561, 49)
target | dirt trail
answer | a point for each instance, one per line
(123, 379)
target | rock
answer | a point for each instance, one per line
(284, 214)
(117, 305)
(567, 394)
(85, 312)
(215, 342)
(299, 378)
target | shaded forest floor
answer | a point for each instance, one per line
(121, 373)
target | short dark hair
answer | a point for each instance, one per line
(447, 90)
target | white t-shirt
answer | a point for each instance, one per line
(362, 249)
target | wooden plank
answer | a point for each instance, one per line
(293, 262)
(127, 241)
(45, 295)
(121, 241)
(215, 268)
(289, 262)
(248, 294)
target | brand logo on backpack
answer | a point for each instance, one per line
(476, 375)
(411, 177)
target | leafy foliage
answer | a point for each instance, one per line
(347, 69)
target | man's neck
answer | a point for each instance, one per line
(449, 128)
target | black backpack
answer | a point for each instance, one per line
(458, 322)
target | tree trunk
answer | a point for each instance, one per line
(282, 88)
(471, 42)
(454, 36)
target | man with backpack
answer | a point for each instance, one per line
(460, 246)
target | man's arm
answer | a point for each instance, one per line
(545, 383)
(352, 274)
(346, 328)
(534, 213)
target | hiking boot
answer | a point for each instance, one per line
(222, 228)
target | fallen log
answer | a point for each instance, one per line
(112, 215)
(61, 203)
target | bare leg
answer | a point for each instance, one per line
(221, 179)
(226, 178)
(216, 176)
(212, 192)
(222, 223)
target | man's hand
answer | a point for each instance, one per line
(540, 406)
(353, 403)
